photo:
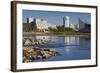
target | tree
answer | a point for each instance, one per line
(52, 29)
(27, 27)
(69, 29)
(60, 28)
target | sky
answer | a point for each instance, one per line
(55, 17)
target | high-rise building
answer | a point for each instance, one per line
(66, 22)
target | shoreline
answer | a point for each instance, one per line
(55, 34)
(31, 54)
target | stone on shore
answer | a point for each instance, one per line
(30, 42)
(31, 54)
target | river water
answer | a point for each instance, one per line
(73, 47)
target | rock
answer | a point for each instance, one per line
(58, 53)
(39, 57)
(46, 49)
(32, 41)
(43, 57)
(27, 42)
(39, 53)
(26, 60)
(31, 54)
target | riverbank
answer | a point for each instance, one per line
(31, 54)
(56, 33)
(35, 42)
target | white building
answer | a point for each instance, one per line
(66, 22)
(41, 24)
(72, 26)
(29, 20)
(52, 26)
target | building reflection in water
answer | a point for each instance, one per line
(71, 47)
(71, 40)
(67, 40)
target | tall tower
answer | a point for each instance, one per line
(66, 22)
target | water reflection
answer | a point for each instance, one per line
(68, 40)
(71, 47)
(74, 40)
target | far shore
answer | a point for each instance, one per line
(56, 34)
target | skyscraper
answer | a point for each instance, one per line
(66, 22)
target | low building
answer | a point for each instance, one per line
(29, 20)
(72, 26)
(52, 26)
(38, 24)
(41, 24)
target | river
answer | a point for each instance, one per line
(71, 47)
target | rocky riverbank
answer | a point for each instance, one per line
(32, 42)
(31, 54)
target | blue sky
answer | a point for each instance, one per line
(55, 17)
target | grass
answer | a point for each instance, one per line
(55, 33)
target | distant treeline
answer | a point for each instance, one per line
(27, 27)
(60, 28)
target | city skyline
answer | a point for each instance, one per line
(55, 17)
